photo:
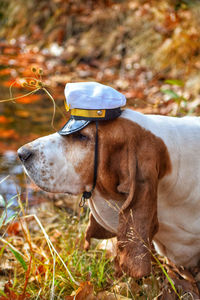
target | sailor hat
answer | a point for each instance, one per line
(90, 101)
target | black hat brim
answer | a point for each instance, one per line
(72, 126)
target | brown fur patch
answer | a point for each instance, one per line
(131, 161)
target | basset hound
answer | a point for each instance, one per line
(147, 189)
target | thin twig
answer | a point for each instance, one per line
(19, 97)
(54, 105)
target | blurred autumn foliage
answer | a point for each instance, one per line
(132, 43)
(161, 34)
(148, 50)
(136, 46)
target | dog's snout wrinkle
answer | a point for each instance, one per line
(24, 154)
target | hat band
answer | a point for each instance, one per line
(88, 113)
(95, 114)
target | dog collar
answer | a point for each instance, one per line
(87, 195)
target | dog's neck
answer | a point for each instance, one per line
(105, 211)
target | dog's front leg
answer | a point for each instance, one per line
(95, 230)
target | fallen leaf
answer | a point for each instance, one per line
(84, 292)
(166, 295)
(14, 228)
(9, 293)
(182, 286)
(110, 296)
(9, 133)
(5, 71)
(4, 120)
(28, 99)
(11, 82)
(22, 113)
(41, 270)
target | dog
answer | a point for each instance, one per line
(147, 189)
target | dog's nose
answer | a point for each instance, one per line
(24, 154)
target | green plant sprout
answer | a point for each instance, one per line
(180, 100)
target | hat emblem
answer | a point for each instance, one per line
(99, 112)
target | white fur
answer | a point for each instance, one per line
(53, 166)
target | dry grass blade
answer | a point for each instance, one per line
(51, 247)
(5, 178)
(54, 105)
(53, 281)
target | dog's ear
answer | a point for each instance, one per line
(148, 161)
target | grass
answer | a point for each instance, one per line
(31, 249)
(47, 261)
(42, 257)
(39, 257)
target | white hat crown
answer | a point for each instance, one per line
(93, 95)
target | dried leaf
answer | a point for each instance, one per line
(4, 120)
(22, 113)
(11, 82)
(84, 292)
(9, 133)
(14, 228)
(110, 296)
(29, 99)
(9, 293)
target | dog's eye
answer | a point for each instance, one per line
(79, 136)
